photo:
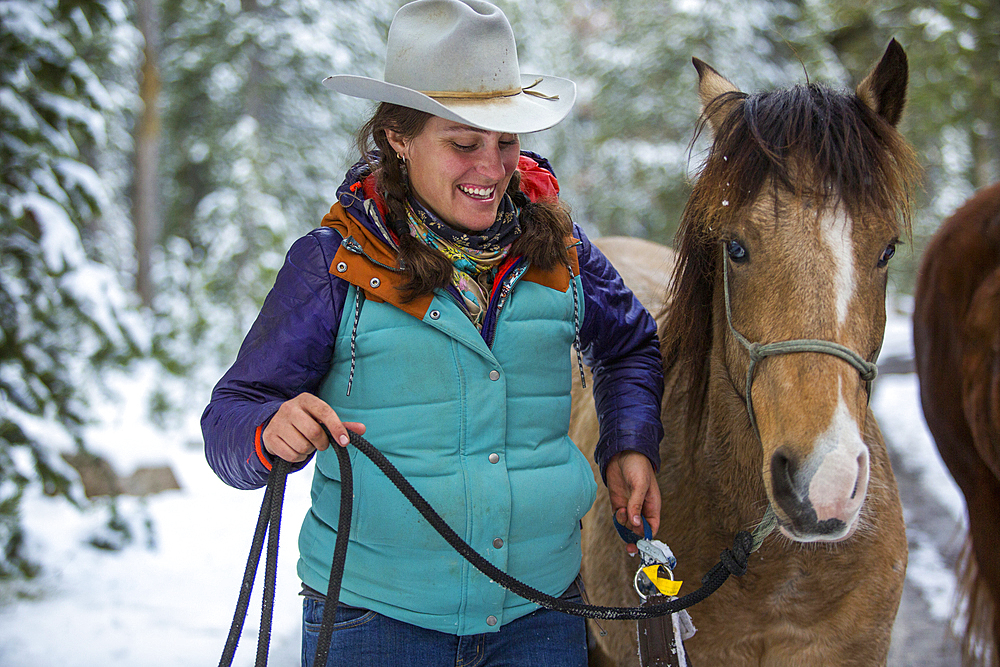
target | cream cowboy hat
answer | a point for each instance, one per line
(457, 60)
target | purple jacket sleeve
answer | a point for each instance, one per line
(619, 342)
(286, 352)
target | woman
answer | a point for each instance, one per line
(434, 311)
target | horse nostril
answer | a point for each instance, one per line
(862, 477)
(857, 480)
(783, 471)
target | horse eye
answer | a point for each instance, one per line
(887, 254)
(737, 252)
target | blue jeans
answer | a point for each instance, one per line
(362, 638)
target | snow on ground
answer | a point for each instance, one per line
(168, 599)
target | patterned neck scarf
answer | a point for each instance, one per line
(474, 256)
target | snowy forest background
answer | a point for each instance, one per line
(158, 158)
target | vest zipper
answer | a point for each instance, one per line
(505, 291)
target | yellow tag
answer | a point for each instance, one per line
(668, 587)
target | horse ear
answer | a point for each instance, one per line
(711, 85)
(884, 89)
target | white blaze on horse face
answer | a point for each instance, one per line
(837, 232)
(838, 487)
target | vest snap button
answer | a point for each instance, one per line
(497, 543)
(341, 266)
(375, 282)
(494, 375)
(435, 314)
(494, 458)
(491, 620)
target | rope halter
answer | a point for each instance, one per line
(758, 351)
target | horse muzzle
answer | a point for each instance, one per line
(819, 498)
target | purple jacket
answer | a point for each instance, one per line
(289, 347)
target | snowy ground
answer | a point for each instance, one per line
(168, 600)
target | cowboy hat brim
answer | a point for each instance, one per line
(517, 114)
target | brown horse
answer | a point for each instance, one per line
(794, 216)
(956, 336)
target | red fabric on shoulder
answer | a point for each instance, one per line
(538, 183)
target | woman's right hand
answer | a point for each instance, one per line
(294, 432)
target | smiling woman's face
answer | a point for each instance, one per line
(458, 172)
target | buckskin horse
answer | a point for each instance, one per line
(956, 337)
(795, 214)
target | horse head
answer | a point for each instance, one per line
(784, 249)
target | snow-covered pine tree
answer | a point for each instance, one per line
(63, 313)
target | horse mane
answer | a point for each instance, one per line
(814, 142)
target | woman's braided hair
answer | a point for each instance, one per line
(544, 225)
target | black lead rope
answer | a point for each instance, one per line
(279, 473)
(268, 522)
(732, 561)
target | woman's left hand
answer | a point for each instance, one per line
(634, 493)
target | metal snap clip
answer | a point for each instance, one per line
(375, 282)
(341, 266)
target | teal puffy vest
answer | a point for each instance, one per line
(481, 433)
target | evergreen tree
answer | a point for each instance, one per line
(63, 315)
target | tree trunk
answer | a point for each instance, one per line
(146, 211)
